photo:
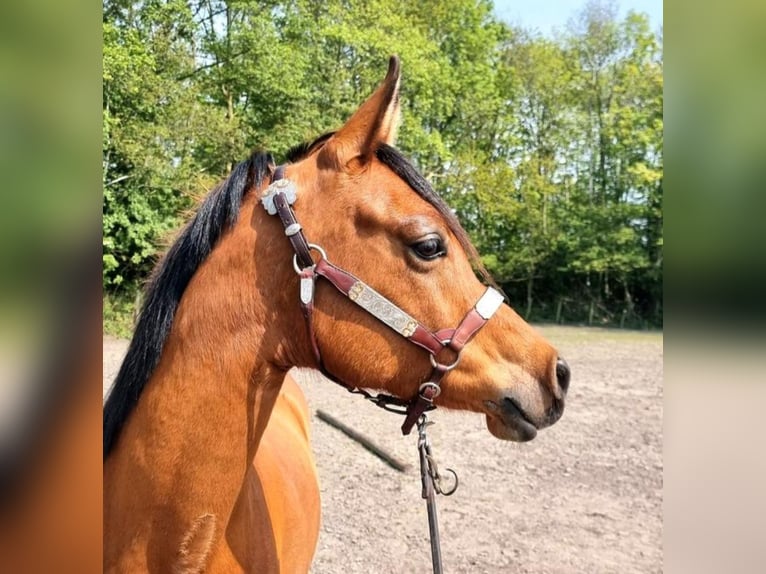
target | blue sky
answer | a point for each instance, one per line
(547, 15)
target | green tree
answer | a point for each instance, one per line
(156, 131)
(549, 149)
(613, 232)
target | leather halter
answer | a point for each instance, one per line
(277, 199)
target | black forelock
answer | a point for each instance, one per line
(300, 151)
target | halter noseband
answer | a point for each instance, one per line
(277, 200)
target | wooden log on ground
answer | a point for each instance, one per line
(389, 459)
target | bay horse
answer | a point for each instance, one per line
(235, 304)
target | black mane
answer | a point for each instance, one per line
(298, 152)
(216, 215)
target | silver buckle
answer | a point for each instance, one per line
(433, 385)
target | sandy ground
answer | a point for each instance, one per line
(584, 497)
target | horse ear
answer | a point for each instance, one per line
(376, 121)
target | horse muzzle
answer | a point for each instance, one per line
(508, 420)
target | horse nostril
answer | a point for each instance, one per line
(563, 374)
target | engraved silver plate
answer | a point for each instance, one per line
(381, 308)
(281, 185)
(489, 303)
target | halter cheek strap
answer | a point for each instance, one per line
(277, 200)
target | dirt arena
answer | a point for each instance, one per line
(584, 497)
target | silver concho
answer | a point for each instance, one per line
(381, 308)
(281, 185)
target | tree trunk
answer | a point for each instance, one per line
(629, 306)
(530, 283)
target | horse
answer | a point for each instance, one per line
(265, 277)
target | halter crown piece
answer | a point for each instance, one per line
(279, 186)
(277, 199)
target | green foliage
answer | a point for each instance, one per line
(550, 150)
(118, 315)
(159, 136)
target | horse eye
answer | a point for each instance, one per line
(430, 248)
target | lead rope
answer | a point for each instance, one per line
(432, 485)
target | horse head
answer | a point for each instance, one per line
(370, 213)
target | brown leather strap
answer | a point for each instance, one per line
(293, 229)
(471, 323)
(307, 287)
(466, 331)
(345, 281)
(424, 400)
(417, 407)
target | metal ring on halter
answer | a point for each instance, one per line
(436, 365)
(434, 385)
(311, 246)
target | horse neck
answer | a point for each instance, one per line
(186, 448)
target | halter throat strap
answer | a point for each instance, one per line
(277, 199)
